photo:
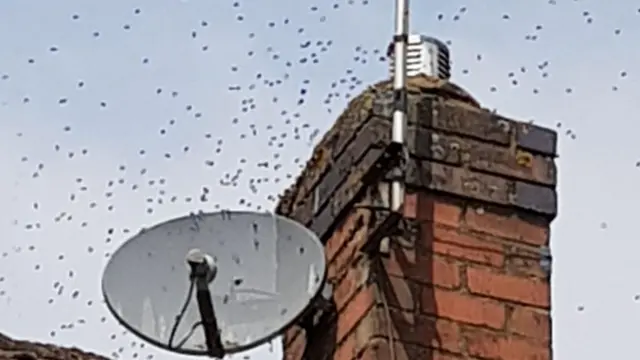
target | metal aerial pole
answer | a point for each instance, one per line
(400, 42)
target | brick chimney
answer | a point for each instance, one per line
(467, 272)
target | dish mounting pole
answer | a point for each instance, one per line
(399, 127)
(202, 273)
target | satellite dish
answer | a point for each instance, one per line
(215, 283)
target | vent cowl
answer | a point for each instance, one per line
(425, 55)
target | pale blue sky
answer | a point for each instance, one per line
(594, 238)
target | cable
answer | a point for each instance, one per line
(385, 305)
(183, 311)
(179, 317)
(387, 310)
(189, 335)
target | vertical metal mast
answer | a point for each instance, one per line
(400, 40)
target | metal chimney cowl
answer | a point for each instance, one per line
(425, 55)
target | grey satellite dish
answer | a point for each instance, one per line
(217, 283)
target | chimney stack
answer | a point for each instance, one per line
(425, 55)
(467, 272)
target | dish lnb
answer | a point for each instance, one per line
(425, 55)
(201, 261)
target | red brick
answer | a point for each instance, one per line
(355, 277)
(346, 350)
(440, 334)
(459, 244)
(402, 262)
(411, 328)
(461, 237)
(530, 322)
(354, 311)
(423, 206)
(335, 242)
(476, 256)
(402, 293)
(409, 207)
(291, 334)
(350, 252)
(344, 290)
(487, 345)
(508, 287)
(340, 235)
(445, 273)
(380, 349)
(463, 307)
(508, 227)
(423, 268)
(295, 349)
(371, 326)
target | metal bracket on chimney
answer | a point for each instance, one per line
(385, 221)
(386, 226)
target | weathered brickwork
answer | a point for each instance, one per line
(11, 349)
(467, 275)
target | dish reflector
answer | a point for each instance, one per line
(268, 270)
